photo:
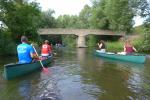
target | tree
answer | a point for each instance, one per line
(21, 17)
(67, 21)
(84, 17)
(63, 21)
(98, 18)
(47, 19)
(119, 14)
(74, 22)
(145, 12)
(6, 43)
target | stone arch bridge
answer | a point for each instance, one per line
(80, 33)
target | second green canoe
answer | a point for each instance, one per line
(129, 58)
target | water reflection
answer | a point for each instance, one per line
(79, 75)
(20, 88)
(6, 60)
(109, 79)
(45, 88)
(25, 89)
(9, 91)
(81, 52)
(102, 78)
(113, 80)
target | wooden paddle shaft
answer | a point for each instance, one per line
(38, 56)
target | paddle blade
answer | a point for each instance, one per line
(45, 70)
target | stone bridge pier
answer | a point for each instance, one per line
(81, 41)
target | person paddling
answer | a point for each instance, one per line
(46, 49)
(101, 46)
(129, 48)
(25, 51)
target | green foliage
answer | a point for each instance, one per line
(7, 46)
(146, 86)
(138, 45)
(63, 21)
(84, 17)
(24, 18)
(145, 12)
(118, 46)
(91, 40)
(116, 15)
(47, 19)
(146, 44)
(81, 21)
(69, 40)
(143, 9)
(21, 17)
(74, 22)
(114, 46)
(98, 18)
(119, 14)
(67, 21)
(138, 30)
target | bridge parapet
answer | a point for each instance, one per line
(77, 31)
(81, 33)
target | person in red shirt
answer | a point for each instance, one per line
(46, 49)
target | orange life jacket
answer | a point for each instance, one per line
(46, 49)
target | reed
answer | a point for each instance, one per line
(114, 46)
(118, 46)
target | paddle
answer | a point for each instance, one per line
(45, 70)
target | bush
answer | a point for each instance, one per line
(91, 40)
(69, 40)
(138, 44)
(7, 46)
(146, 44)
(114, 46)
(118, 46)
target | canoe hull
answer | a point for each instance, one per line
(129, 58)
(14, 70)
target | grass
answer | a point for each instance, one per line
(118, 46)
(114, 46)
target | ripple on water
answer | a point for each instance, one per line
(46, 90)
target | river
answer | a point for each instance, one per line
(77, 74)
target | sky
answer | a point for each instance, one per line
(61, 7)
(138, 21)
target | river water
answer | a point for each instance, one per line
(77, 74)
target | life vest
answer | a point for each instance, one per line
(46, 49)
(129, 49)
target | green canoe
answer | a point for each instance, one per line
(14, 70)
(129, 58)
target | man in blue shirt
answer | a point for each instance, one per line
(25, 51)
